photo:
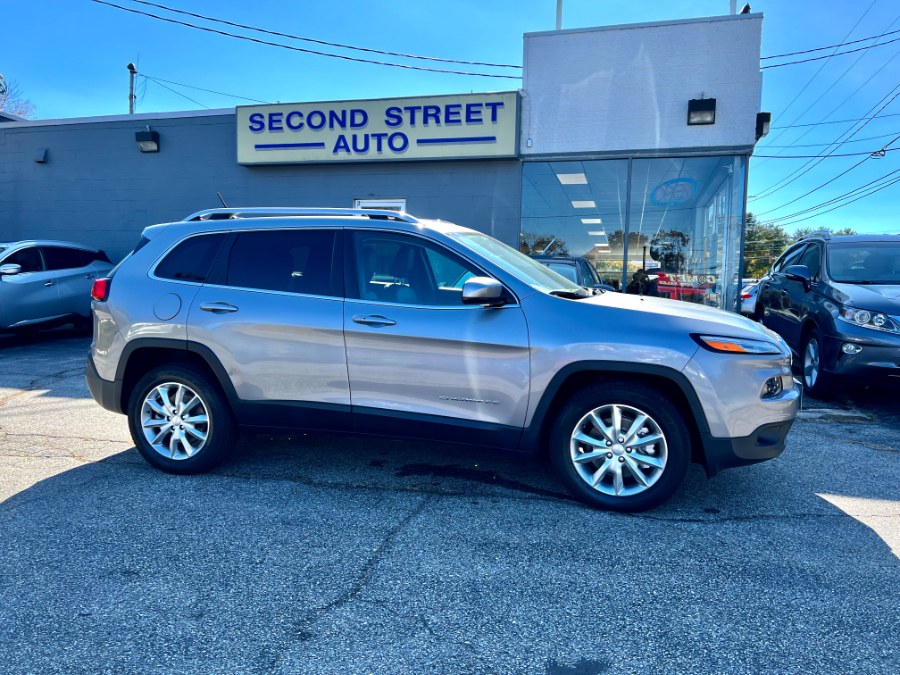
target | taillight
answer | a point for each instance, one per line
(746, 295)
(100, 289)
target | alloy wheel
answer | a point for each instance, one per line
(811, 357)
(175, 420)
(618, 450)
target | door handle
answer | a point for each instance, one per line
(88, 276)
(218, 307)
(373, 320)
(49, 283)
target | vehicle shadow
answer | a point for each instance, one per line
(311, 550)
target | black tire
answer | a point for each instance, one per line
(632, 398)
(816, 382)
(219, 430)
(83, 324)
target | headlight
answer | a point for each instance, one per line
(868, 319)
(716, 343)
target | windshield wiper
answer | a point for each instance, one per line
(571, 295)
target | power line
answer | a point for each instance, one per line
(177, 92)
(211, 91)
(818, 145)
(839, 105)
(818, 124)
(819, 58)
(822, 67)
(834, 84)
(840, 197)
(817, 49)
(301, 49)
(845, 154)
(790, 178)
(868, 194)
(321, 42)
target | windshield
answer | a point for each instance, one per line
(518, 264)
(865, 262)
(568, 271)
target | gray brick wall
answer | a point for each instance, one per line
(98, 189)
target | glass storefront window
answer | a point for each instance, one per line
(568, 209)
(676, 234)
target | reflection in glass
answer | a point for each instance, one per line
(676, 234)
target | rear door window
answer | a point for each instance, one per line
(192, 259)
(64, 258)
(290, 261)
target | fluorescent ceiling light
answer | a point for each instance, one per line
(597, 233)
(584, 205)
(592, 221)
(572, 178)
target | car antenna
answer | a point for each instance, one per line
(221, 199)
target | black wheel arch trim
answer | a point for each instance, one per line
(532, 434)
(204, 352)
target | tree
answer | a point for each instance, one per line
(669, 249)
(12, 101)
(616, 240)
(533, 243)
(763, 243)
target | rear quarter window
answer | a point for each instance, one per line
(192, 259)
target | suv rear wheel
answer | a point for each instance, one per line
(179, 420)
(620, 446)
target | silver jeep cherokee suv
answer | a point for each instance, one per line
(377, 322)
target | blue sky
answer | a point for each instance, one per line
(69, 57)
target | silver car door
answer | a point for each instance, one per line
(274, 320)
(414, 349)
(31, 296)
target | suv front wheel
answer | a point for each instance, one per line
(816, 381)
(620, 446)
(179, 420)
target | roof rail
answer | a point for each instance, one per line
(825, 234)
(279, 211)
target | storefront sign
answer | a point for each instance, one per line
(434, 127)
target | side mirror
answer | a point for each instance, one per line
(483, 291)
(10, 269)
(799, 273)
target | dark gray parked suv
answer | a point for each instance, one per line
(836, 302)
(377, 322)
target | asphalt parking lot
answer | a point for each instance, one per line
(338, 554)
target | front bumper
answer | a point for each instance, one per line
(765, 443)
(107, 394)
(877, 362)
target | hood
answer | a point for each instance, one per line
(874, 297)
(691, 317)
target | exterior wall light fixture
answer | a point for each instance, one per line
(763, 120)
(147, 141)
(701, 111)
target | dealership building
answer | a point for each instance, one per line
(626, 145)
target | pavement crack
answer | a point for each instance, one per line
(367, 568)
(57, 437)
(38, 381)
(302, 631)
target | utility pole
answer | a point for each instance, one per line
(132, 71)
(559, 14)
